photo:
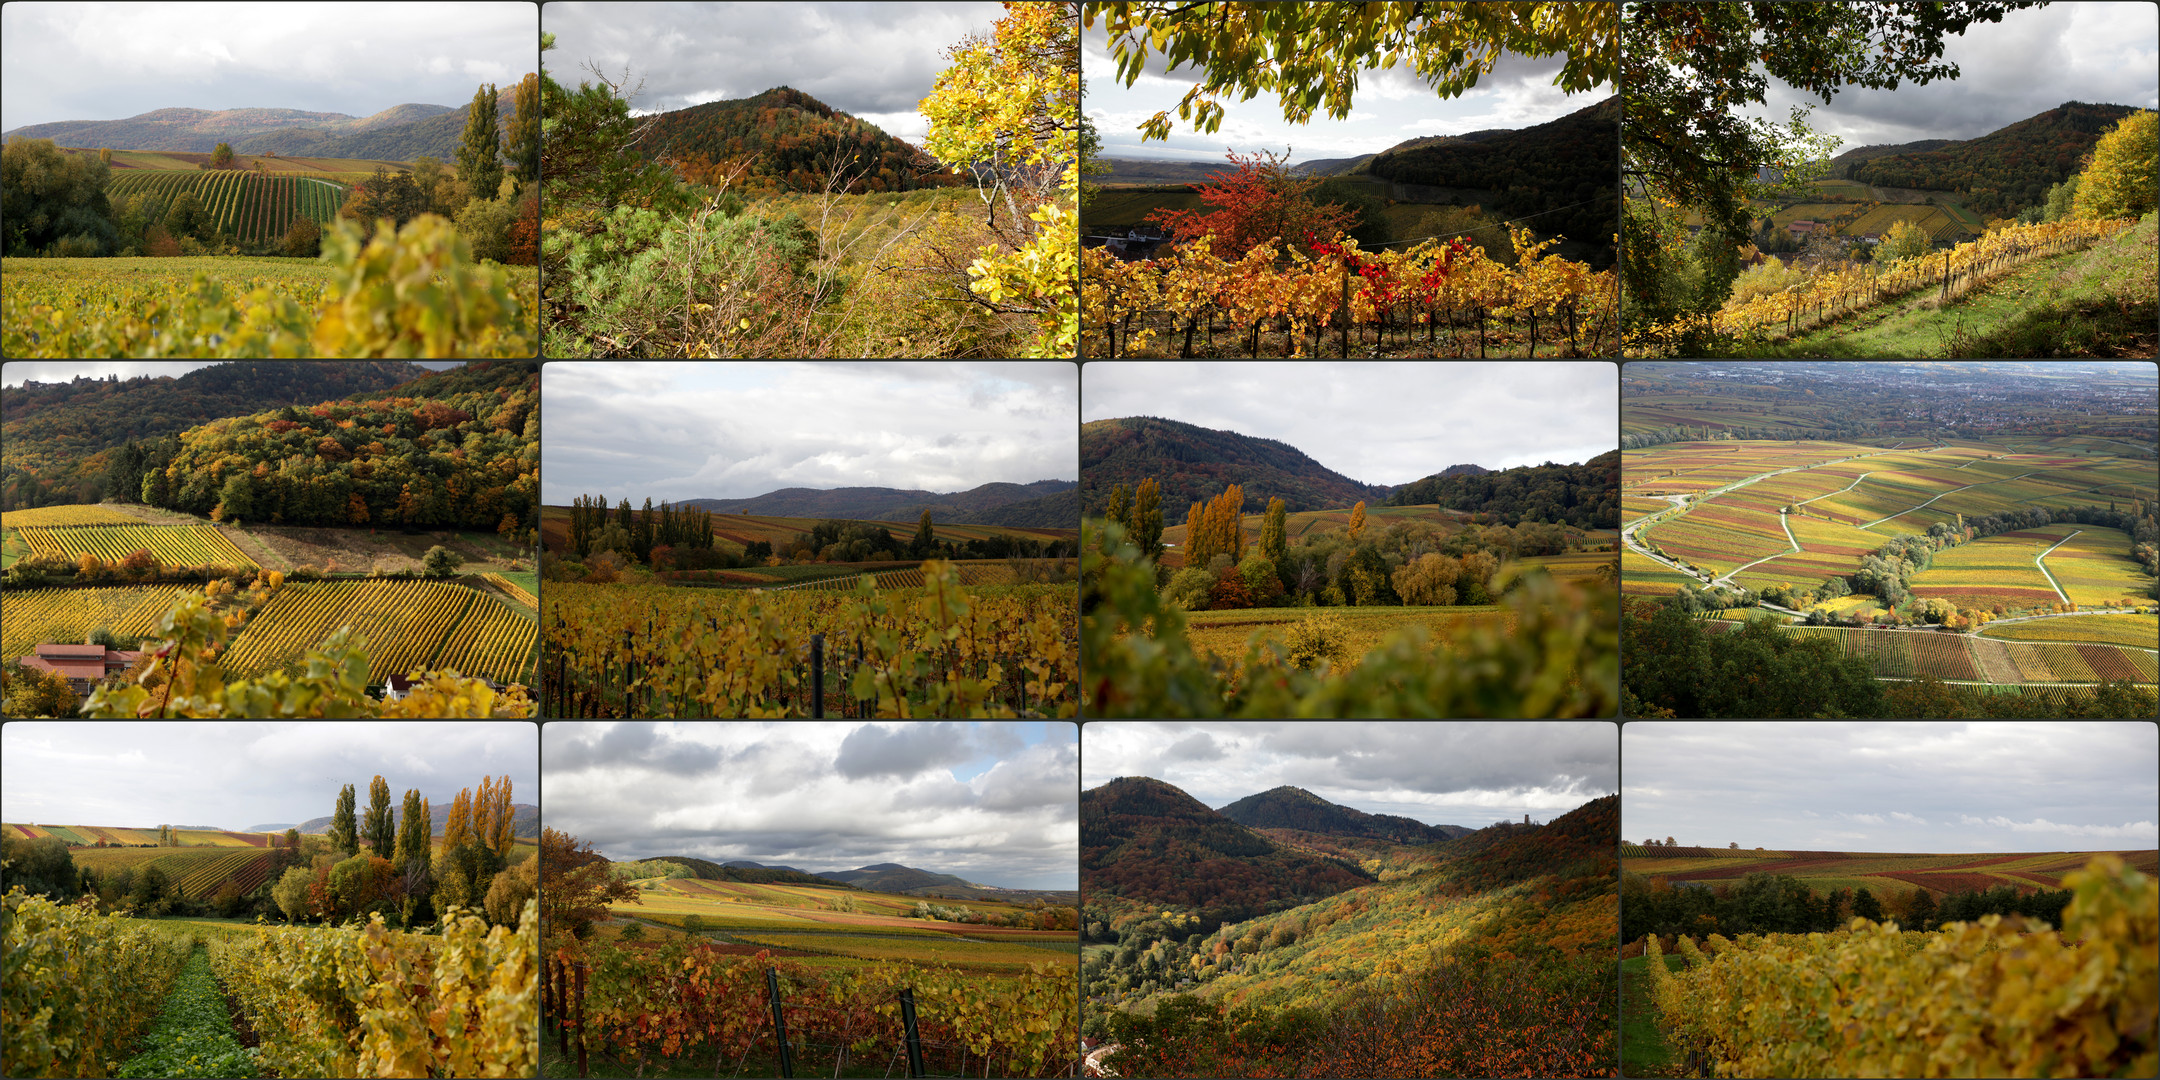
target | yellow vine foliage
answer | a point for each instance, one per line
(80, 986)
(1976, 999)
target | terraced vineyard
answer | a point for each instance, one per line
(174, 545)
(29, 618)
(409, 625)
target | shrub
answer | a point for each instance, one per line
(1188, 589)
(77, 246)
(485, 224)
(1316, 637)
(302, 239)
(1772, 276)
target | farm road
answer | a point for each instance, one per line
(2040, 561)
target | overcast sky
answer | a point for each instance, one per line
(1441, 773)
(731, 430)
(994, 802)
(60, 371)
(2030, 62)
(233, 775)
(1911, 787)
(875, 61)
(1388, 107)
(1379, 423)
(70, 61)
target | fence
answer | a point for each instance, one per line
(799, 1034)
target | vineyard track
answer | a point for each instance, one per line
(2040, 561)
(1950, 492)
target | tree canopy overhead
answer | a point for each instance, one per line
(1309, 55)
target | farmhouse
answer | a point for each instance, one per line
(81, 665)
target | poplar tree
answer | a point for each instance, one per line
(1147, 518)
(377, 825)
(925, 539)
(1357, 520)
(1121, 507)
(1274, 533)
(457, 830)
(477, 156)
(415, 830)
(343, 835)
(523, 147)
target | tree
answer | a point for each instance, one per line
(432, 178)
(458, 828)
(302, 240)
(478, 160)
(925, 541)
(1254, 202)
(582, 166)
(186, 217)
(35, 692)
(2062, 199)
(1865, 906)
(1147, 518)
(291, 893)
(376, 825)
(415, 830)
(575, 886)
(1120, 509)
(292, 839)
(47, 196)
(2119, 182)
(1922, 910)
(344, 835)
(1274, 531)
(222, 156)
(506, 898)
(523, 145)
(1357, 520)
(1903, 240)
(1309, 55)
(42, 867)
(440, 562)
(104, 155)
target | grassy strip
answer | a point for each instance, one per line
(194, 1035)
(1642, 1049)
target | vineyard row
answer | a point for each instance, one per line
(251, 207)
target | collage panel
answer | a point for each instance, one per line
(1889, 180)
(1879, 539)
(790, 898)
(220, 896)
(270, 539)
(340, 181)
(1859, 898)
(1304, 899)
(1469, 570)
(812, 180)
(1378, 180)
(811, 540)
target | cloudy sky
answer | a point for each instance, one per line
(70, 61)
(730, 431)
(993, 802)
(2030, 62)
(1441, 773)
(875, 61)
(233, 775)
(1388, 107)
(1912, 787)
(15, 373)
(1378, 423)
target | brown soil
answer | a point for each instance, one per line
(359, 550)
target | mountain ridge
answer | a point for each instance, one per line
(785, 140)
(1288, 807)
(1191, 463)
(2005, 170)
(995, 503)
(265, 130)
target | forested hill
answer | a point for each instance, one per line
(54, 433)
(2005, 170)
(1146, 840)
(1586, 495)
(1289, 807)
(985, 504)
(256, 130)
(1193, 463)
(1584, 842)
(706, 870)
(458, 449)
(437, 136)
(787, 140)
(1563, 170)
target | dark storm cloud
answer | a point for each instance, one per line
(686, 431)
(232, 775)
(1379, 423)
(84, 61)
(1438, 772)
(2030, 62)
(990, 802)
(874, 60)
(1902, 787)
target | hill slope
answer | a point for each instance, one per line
(1586, 495)
(788, 140)
(1296, 808)
(1146, 840)
(404, 130)
(1193, 463)
(2003, 171)
(897, 504)
(417, 131)
(1564, 169)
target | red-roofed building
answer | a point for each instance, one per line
(1800, 228)
(81, 665)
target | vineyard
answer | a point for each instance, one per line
(375, 1002)
(409, 626)
(1975, 999)
(250, 207)
(28, 619)
(693, 1004)
(2134, 631)
(173, 545)
(516, 591)
(66, 515)
(1943, 276)
(1905, 654)
(939, 650)
(1386, 300)
(80, 987)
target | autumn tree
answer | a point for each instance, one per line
(1904, 239)
(523, 144)
(376, 825)
(458, 827)
(1120, 509)
(1274, 532)
(1147, 523)
(1215, 527)
(2119, 181)
(1256, 201)
(344, 834)
(575, 885)
(1357, 520)
(222, 156)
(496, 829)
(415, 830)
(478, 154)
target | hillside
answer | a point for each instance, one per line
(1564, 170)
(391, 133)
(1031, 501)
(1586, 495)
(2003, 171)
(56, 432)
(1145, 840)
(1296, 808)
(1193, 463)
(750, 873)
(788, 141)
(524, 819)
